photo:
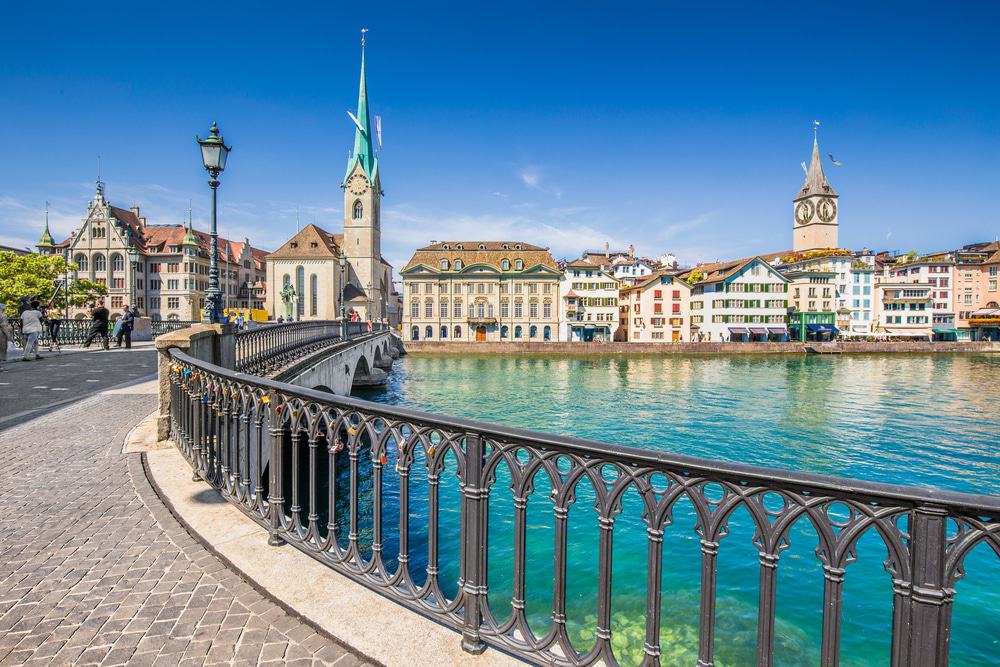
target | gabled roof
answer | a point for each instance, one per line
(722, 271)
(310, 241)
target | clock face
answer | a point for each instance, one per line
(357, 184)
(803, 212)
(827, 209)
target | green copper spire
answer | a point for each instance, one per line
(190, 238)
(364, 148)
(46, 241)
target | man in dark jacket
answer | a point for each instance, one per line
(125, 329)
(98, 325)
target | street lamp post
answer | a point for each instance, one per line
(133, 257)
(214, 153)
(66, 282)
(368, 301)
(342, 260)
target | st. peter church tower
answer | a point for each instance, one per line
(815, 215)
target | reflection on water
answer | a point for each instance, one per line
(910, 419)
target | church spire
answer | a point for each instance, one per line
(46, 241)
(816, 183)
(364, 149)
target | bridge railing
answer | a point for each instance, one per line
(347, 481)
(265, 349)
(73, 332)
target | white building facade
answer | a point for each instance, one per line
(589, 298)
(743, 300)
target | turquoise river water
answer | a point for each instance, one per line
(929, 420)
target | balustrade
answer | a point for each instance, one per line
(339, 478)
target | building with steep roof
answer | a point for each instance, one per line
(479, 291)
(169, 276)
(589, 303)
(815, 214)
(657, 310)
(310, 262)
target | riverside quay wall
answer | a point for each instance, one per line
(436, 347)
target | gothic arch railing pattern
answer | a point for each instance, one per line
(317, 470)
(268, 348)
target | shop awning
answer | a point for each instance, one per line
(945, 331)
(778, 331)
(822, 328)
(758, 331)
(738, 331)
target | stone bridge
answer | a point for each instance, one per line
(359, 362)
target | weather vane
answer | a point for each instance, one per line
(363, 31)
(815, 126)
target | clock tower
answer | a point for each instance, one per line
(814, 210)
(362, 204)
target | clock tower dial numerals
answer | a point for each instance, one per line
(827, 209)
(803, 212)
(357, 185)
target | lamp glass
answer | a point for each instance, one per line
(210, 154)
(223, 155)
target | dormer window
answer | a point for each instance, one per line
(447, 246)
(482, 246)
(459, 247)
(458, 265)
(294, 244)
(506, 246)
(444, 265)
(518, 265)
(505, 264)
(313, 244)
(517, 246)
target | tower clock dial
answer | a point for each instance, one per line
(827, 209)
(803, 212)
(357, 184)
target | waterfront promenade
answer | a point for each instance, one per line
(94, 569)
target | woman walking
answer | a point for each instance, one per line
(31, 328)
(6, 334)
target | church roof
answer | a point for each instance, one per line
(364, 148)
(310, 241)
(816, 183)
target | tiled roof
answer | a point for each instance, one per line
(716, 271)
(481, 252)
(310, 241)
(159, 238)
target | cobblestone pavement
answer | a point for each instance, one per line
(94, 570)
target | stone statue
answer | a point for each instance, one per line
(288, 298)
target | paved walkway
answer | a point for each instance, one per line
(94, 570)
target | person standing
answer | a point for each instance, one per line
(54, 319)
(6, 334)
(98, 325)
(31, 328)
(125, 324)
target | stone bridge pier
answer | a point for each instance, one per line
(361, 363)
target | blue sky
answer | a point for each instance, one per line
(674, 126)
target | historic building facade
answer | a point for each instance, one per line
(589, 299)
(305, 272)
(814, 209)
(657, 310)
(481, 291)
(740, 300)
(161, 269)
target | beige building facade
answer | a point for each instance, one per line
(481, 291)
(658, 310)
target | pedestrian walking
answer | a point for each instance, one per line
(31, 328)
(98, 325)
(6, 334)
(124, 326)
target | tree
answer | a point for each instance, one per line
(37, 275)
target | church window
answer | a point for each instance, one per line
(300, 289)
(505, 264)
(313, 296)
(358, 210)
(444, 265)
(518, 265)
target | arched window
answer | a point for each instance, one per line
(414, 333)
(458, 332)
(533, 332)
(519, 265)
(504, 331)
(428, 332)
(517, 331)
(81, 261)
(300, 291)
(444, 265)
(359, 210)
(286, 280)
(117, 262)
(458, 265)
(547, 333)
(100, 263)
(505, 264)
(313, 296)
(444, 332)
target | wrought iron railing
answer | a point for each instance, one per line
(314, 468)
(263, 350)
(160, 327)
(71, 332)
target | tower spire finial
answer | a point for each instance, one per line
(363, 31)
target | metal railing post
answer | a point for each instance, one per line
(930, 619)
(474, 496)
(275, 500)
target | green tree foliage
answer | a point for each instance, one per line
(36, 275)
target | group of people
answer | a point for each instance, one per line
(36, 319)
